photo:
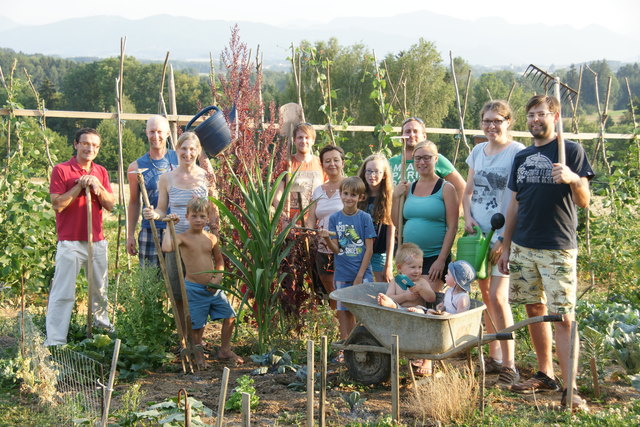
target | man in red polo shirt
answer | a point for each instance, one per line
(67, 189)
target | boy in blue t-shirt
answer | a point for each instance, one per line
(350, 236)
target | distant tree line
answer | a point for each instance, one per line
(338, 84)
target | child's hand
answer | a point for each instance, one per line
(172, 217)
(357, 280)
(324, 233)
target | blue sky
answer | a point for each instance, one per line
(620, 16)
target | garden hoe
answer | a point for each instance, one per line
(561, 92)
(184, 356)
(194, 351)
(90, 284)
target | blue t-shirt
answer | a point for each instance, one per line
(351, 233)
(155, 168)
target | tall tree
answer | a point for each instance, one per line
(428, 94)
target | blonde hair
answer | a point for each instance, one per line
(305, 128)
(408, 251)
(199, 204)
(186, 136)
(428, 145)
(382, 204)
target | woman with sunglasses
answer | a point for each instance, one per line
(430, 215)
(415, 131)
(486, 193)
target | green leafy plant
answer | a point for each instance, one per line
(620, 324)
(264, 244)
(134, 360)
(169, 414)
(354, 400)
(144, 317)
(244, 385)
(274, 361)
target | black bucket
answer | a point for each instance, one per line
(214, 133)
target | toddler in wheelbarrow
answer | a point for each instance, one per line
(409, 291)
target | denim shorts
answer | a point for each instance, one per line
(203, 304)
(378, 262)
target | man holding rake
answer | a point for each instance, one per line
(540, 242)
(68, 188)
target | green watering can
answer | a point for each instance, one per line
(474, 248)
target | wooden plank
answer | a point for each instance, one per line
(184, 119)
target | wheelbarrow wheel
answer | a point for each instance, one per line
(366, 367)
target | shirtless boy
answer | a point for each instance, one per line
(201, 254)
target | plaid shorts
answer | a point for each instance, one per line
(147, 253)
(545, 276)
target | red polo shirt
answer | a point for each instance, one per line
(71, 223)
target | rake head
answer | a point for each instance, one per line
(546, 80)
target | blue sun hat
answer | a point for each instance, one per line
(463, 274)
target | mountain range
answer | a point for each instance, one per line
(487, 42)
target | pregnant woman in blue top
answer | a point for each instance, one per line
(430, 214)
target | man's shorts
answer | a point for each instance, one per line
(324, 263)
(147, 253)
(342, 285)
(378, 262)
(203, 303)
(545, 276)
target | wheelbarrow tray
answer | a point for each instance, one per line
(419, 334)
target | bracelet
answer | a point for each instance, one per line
(500, 239)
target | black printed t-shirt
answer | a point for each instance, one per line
(547, 216)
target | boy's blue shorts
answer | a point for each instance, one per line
(203, 304)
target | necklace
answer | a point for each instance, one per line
(330, 188)
(161, 166)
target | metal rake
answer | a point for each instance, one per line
(544, 79)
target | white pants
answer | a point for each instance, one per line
(70, 257)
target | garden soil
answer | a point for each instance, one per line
(280, 405)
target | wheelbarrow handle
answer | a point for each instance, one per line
(197, 116)
(504, 336)
(530, 320)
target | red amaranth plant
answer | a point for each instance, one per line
(253, 148)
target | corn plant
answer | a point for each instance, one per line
(263, 245)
